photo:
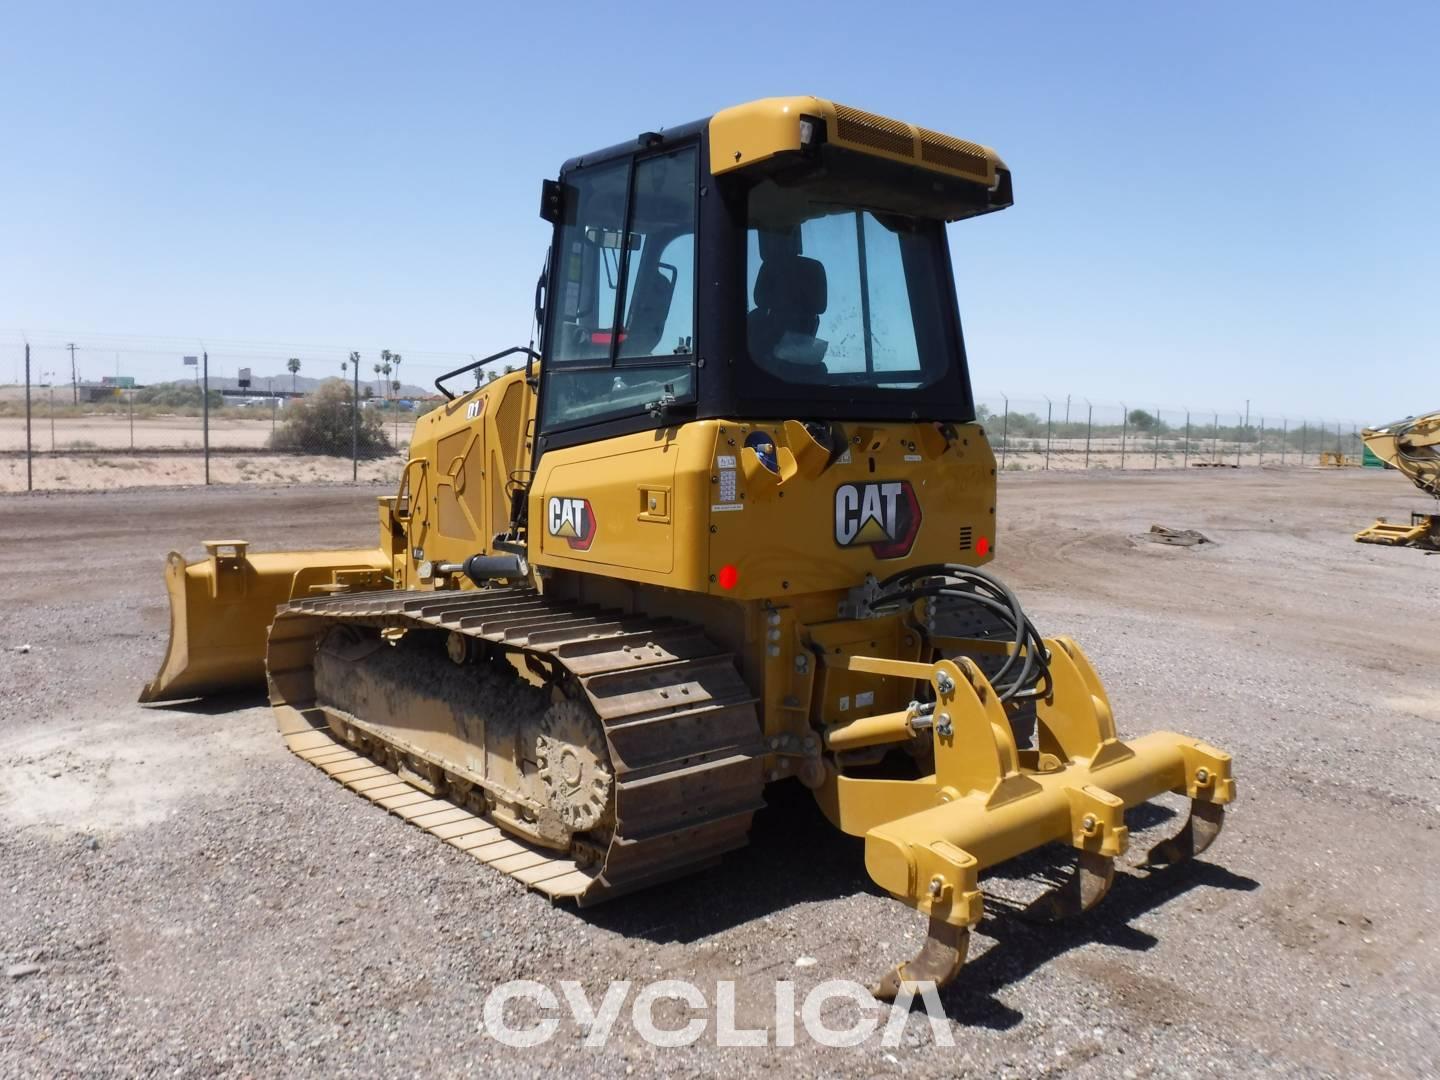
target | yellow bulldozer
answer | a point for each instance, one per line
(725, 527)
(1412, 446)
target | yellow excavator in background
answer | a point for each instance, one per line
(726, 528)
(1411, 445)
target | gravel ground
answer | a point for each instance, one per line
(197, 901)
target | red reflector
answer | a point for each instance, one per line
(605, 337)
(982, 546)
(728, 576)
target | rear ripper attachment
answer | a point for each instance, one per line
(988, 800)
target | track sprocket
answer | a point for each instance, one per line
(574, 766)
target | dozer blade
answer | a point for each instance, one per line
(927, 840)
(221, 608)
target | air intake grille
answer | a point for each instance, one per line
(876, 132)
(965, 538)
(953, 153)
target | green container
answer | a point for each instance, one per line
(1370, 460)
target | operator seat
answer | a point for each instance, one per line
(649, 310)
(790, 296)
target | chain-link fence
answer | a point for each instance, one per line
(62, 431)
(1066, 433)
(227, 419)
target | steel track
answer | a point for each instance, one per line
(679, 722)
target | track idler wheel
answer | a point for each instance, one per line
(939, 961)
(1198, 833)
(1093, 876)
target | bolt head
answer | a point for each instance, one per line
(937, 885)
(1202, 775)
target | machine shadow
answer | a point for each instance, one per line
(764, 877)
(215, 705)
(767, 876)
(1022, 947)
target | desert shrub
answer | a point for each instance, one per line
(176, 395)
(321, 424)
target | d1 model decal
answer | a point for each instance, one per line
(573, 520)
(885, 514)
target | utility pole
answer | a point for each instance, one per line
(74, 379)
(29, 468)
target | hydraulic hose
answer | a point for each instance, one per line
(1025, 672)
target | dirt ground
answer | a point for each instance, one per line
(197, 901)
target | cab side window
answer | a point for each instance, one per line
(622, 324)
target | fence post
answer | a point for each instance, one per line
(1215, 437)
(355, 421)
(1124, 428)
(1261, 443)
(130, 396)
(1155, 462)
(1089, 423)
(1239, 435)
(1049, 429)
(1185, 462)
(205, 412)
(1284, 437)
(1244, 429)
(1004, 433)
(29, 466)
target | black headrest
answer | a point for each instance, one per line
(792, 282)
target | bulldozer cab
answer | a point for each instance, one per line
(688, 281)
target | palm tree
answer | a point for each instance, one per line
(293, 364)
(377, 376)
(395, 359)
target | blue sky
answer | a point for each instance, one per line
(1214, 202)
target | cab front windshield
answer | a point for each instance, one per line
(842, 296)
